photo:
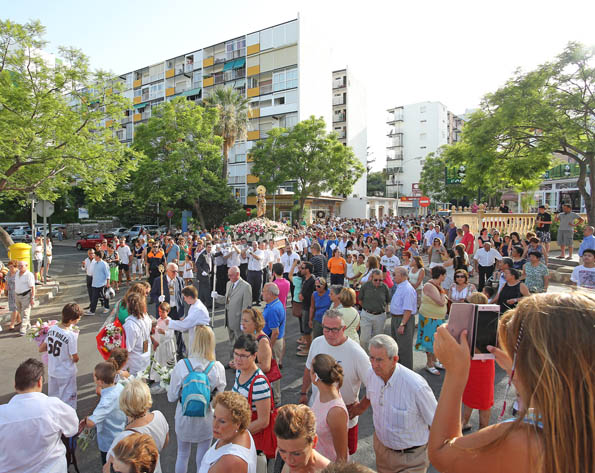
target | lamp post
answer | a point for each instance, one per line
(400, 168)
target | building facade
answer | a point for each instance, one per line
(415, 131)
(283, 70)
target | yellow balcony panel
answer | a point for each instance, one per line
(169, 73)
(170, 91)
(254, 113)
(253, 49)
(208, 61)
(137, 117)
(108, 123)
(137, 83)
(253, 135)
(249, 159)
(251, 179)
(208, 81)
(136, 100)
(254, 92)
(251, 200)
(252, 71)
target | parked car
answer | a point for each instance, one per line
(89, 241)
(119, 231)
(21, 235)
(132, 234)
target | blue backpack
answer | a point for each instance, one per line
(196, 391)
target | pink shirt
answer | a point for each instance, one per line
(325, 445)
(283, 285)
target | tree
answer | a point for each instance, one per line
(183, 161)
(56, 121)
(376, 183)
(550, 111)
(316, 161)
(233, 119)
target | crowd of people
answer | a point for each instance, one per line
(342, 279)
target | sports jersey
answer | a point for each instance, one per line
(61, 345)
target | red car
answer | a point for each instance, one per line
(89, 241)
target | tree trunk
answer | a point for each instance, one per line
(5, 238)
(226, 148)
(302, 202)
(588, 196)
(201, 217)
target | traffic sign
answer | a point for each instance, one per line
(44, 208)
(170, 213)
(424, 201)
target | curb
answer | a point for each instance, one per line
(44, 295)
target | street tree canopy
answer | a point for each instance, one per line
(56, 121)
(514, 138)
(314, 160)
(183, 158)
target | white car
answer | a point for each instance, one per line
(119, 231)
(21, 235)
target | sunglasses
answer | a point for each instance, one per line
(377, 280)
(457, 276)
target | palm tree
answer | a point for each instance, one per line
(233, 119)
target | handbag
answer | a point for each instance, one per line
(265, 440)
(274, 373)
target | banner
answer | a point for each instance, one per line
(83, 213)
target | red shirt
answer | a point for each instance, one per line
(468, 241)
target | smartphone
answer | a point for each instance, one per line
(461, 318)
(485, 330)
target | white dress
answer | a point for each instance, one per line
(213, 454)
(166, 351)
(138, 332)
(449, 278)
(188, 273)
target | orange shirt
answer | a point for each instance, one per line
(337, 265)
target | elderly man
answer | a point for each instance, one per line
(588, 242)
(32, 425)
(274, 326)
(451, 234)
(168, 288)
(404, 407)
(486, 260)
(403, 307)
(374, 296)
(238, 296)
(353, 360)
(24, 288)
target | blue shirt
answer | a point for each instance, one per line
(108, 417)
(100, 274)
(173, 254)
(274, 317)
(588, 243)
(329, 248)
(321, 304)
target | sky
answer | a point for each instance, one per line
(403, 51)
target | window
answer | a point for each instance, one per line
(285, 79)
(423, 136)
(252, 82)
(280, 100)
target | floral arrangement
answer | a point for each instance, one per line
(109, 337)
(260, 227)
(164, 372)
(39, 332)
(85, 438)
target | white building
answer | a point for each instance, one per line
(415, 131)
(349, 122)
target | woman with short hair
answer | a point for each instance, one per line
(535, 273)
(351, 318)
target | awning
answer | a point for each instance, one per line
(140, 105)
(229, 65)
(239, 63)
(187, 93)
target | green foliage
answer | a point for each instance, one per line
(238, 216)
(432, 182)
(183, 160)
(53, 120)
(376, 183)
(536, 115)
(316, 161)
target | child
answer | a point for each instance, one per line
(489, 292)
(350, 273)
(119, 357)
(165, 354)
(107, 416)
(61, 345)
(188, 273)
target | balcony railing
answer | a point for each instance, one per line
(339, 117)
(339, 101)
(266, 89)
(395, 117)
(338, 84)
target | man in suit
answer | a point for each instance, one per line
(172, 285)
(238, 296)
(203, 266)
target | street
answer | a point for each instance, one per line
(66, 269)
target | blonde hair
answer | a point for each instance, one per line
(477, 298)
(294, 422)
(135, 398)
(347, 297)
(238, 407)
(138, 451)
(554, 363)
(204, 343)
(256, 316)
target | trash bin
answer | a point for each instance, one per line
(21, 252)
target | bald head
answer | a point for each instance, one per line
(233, 273)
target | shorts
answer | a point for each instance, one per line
(565, 237)
(36, 265)
(124, 267)
(64, 389)
(352, 439)
(544, 237)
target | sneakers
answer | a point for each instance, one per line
(439, 365)
(88, 312)
(432, 370)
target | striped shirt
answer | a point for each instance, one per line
(260, 391)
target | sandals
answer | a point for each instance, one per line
(466, 428)
(301, 341)
(432, 370)
(439, 365)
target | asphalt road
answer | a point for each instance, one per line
(66, 269)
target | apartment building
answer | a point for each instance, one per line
(415, 131)
(349, 122)
(283, 70)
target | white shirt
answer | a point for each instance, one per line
(24, 282)
(197, 315)
(487, 258)
(583, 277)
(138, 331)
(276, 256)
(287, 261)
(124, 253)
(390, 263)
(31, 426)
(234, 258)
(62, 344)
(355, 362)
(214, 453)
(88, 265)
(256, 264)
(403, 408)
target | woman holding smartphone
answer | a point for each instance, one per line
(554, 431)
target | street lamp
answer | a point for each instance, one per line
(399, 172)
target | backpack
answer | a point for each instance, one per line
(196, 391)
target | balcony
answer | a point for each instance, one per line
(137, 117)
(339, 83)
(253, 70)
(136, 100)
(137, 83)
(146, 115)
(253, 135)
(253, 49)
(207, 81)
(339, 101)
(182, 88)
(396, 141)
(253, 92)
(126, 119)
(208, 61)
(170, 91)
(396, 157)
(251, 179)
(395, 116)
(339, 117)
